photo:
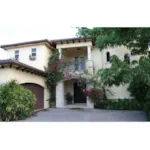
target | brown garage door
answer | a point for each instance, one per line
(39, 93)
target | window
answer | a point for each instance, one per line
(17, 54)
(108, 56)
(82, 65)
(33, 52)
(127, 58)
(76, 63)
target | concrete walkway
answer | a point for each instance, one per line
(86, 115)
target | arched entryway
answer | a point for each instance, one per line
(79, 96)
(39, 93)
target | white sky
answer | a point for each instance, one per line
(25, 20)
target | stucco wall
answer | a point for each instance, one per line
(100, 61)
(42, 55)
(7, 74)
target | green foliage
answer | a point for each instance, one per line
(55, 71)
(119, 104)
(147, 109)
(140, 84)
(52, 100)
(95, 95)
(138, 76)
(82, 81)
(68, 97)
(98, 86)
(118, 73)
(53, 75)
(16, 102)
(135, 39)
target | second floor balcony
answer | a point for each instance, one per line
(77, 68)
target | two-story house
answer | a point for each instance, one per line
(25, 62)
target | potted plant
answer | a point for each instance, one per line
(68, 97)
(52, 102)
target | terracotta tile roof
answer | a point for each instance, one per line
(25, 43)
(50, 42)
(20, 66)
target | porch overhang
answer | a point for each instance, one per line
(72, 42)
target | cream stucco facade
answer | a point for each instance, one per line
(23, 77)
(95, 60)
(42, 54)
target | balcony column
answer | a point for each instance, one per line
(89, 52)
(89, 103)
(60, 53)
(60, 100)
(89, 66)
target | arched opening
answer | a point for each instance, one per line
(38, 90)
(108, 56)
(127, 58)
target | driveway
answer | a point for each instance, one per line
(86, 115)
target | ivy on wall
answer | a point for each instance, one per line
(55, 72)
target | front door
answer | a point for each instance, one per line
(79, 96)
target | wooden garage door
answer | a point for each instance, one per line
(39, 93)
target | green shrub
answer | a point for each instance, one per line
(119, 104)
(147, 109)
(16, 102)
(68, 97)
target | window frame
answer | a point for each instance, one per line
(107, 56)
(16, 54)
(127, 57)
(33, 51)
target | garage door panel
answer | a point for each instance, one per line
(39, 93)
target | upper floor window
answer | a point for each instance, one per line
(127, 58)
(17, 54)
(33, 54)
(76, 63)
(108, 56)
(79, 63)
(82, 65)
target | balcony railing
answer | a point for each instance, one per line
(75, 69)
(76, 66)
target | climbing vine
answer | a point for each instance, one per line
(55, 72)
(97, 94)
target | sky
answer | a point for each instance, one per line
(26, 20)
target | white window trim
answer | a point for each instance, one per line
(17, 54)
(33, 53)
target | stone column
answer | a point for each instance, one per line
(60, 100)
(89, 103)
(89, 52)
(60, 53)
(90, 69)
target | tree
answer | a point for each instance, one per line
(120, 72)
(137, 74)
(135, 39)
